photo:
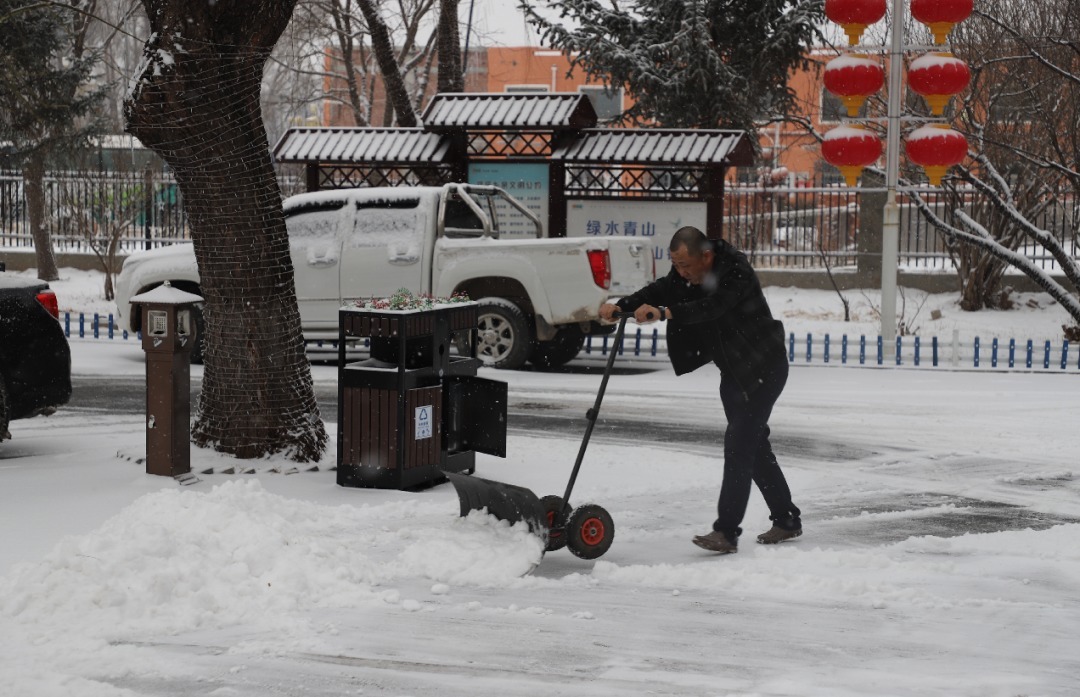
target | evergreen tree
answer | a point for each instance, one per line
(45, 103)
(688, 63)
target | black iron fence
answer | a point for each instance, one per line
(809, 225)
(922, 246)
(86, 209)
(803, 226)
(793, 226)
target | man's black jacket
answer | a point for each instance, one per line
(725, 320)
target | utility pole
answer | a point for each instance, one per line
(936, 148)
(890, 233)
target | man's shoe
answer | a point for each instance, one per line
(777, 534)
(716, 541)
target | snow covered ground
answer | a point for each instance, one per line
(941, 509)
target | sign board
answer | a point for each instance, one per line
(525, 181)
(422, 422)
(654, 221)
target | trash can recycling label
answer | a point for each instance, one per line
(423, 422)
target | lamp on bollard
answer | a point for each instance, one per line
(168, 335)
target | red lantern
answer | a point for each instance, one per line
(854, 15)
(936, 148)
(850, 149)
(853, 79)
(941, 15)
(937, 77)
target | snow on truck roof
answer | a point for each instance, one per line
(369, 195)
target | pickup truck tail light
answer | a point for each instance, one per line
(600, 263)
(48, 299)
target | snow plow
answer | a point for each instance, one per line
(587, 531)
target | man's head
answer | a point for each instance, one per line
(691, 254)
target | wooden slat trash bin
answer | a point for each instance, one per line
(414, 410)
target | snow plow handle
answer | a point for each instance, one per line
(594, 413)
(627, 315)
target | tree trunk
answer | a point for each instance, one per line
(34, 181)
(451, 78)
(396, 93)
(344, 32)
(980, 281)
(197, 105)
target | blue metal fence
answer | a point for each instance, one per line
(860, 351)
(871, 351)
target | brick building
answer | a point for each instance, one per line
(533, 69)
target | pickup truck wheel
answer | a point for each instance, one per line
(559, 351)
(502, 334)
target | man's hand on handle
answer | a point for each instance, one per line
(643, 315)
(647, 313)
(608, 310)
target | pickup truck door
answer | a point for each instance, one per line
(315, 240)
(385, 251)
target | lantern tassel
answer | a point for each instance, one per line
(935, 172)
(853, 102)
(854, 32)
(851, 173)
(940, 30)
(937, 103)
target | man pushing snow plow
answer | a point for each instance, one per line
(717, 313)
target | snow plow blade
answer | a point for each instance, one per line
(504, 501)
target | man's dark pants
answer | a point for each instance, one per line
(748, 455)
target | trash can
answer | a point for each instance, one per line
(414, 409)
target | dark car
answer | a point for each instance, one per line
(35, 361)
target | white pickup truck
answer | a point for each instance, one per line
(538, 296)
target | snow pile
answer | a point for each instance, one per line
(176, 561)
(180, 560)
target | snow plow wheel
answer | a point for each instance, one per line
(556, 513)
(589, 532)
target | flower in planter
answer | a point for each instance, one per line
(404, 299)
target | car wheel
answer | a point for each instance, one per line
(502, 334)
(559, 351)
(4, 434)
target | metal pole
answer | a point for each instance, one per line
(773, 222)
(890, 233)
(468, 35)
